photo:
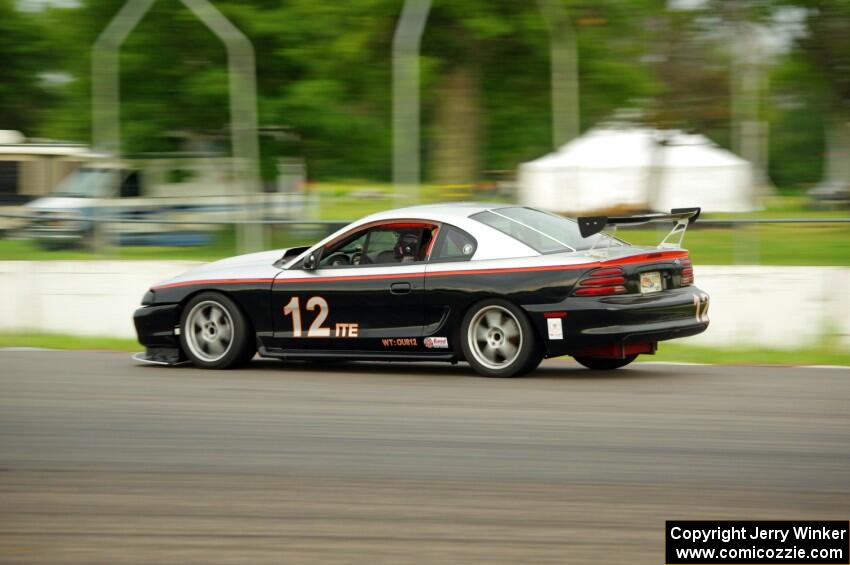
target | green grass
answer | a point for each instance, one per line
(827, 354)
(820, 355)
(788, 244)
(19, 250)
(59, 341)
(343, 202)
(780, 244)
(789, 207)
(224, 245)
(785, 244)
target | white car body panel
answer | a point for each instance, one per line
(250, 266)
(495, 250)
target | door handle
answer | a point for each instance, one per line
(400, 288)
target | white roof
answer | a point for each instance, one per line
(436, 212)
(613, 148)
(54, 149)
(698, 151)
(637, 167)
(492, 244)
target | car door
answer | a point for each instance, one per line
(366, 294)
(446, 298)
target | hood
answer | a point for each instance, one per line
(232, 265)
(253, 267)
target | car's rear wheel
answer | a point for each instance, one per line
(214, 332)
(498, 341)
(605, 364)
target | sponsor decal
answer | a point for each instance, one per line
(556, 329)
(436, 342)
(399, 342)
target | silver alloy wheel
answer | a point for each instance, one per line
(209, 331)
(495, 337)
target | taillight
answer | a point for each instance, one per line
(687, 272)
(601, 282)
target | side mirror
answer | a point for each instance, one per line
(311, 261)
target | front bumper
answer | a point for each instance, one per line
(155, 329)
(590, 322)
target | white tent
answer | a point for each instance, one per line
(637, 168)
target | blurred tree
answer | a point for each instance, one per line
(826, 47)
(173, 77)
(25, 90)
(498, 52)
(324, 68)
(692, 74)
(323, 73)
(810, 85)
(797, 121)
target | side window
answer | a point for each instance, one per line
(392, 245)
(454, 244)
(381, 245)
(345, 253)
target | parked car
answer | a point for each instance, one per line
(156, 201)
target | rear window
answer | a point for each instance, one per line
(543, 232)
(455, 245)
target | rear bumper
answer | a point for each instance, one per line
(590, 322)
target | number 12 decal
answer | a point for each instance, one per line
(316, 329)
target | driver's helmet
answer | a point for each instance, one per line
(406, 246)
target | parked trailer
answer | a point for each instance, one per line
(175, 189)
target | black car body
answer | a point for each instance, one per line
(407, 285)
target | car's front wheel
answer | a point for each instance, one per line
(604, 364)
(498, 341)
(214, 332)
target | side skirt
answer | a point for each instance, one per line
(303, 354)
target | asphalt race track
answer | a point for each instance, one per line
(106, 461)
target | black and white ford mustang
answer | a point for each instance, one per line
(498, 286)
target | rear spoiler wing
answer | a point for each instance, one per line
(684, 217)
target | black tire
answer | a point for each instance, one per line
(528, 350)
(534, 363)
(604, 364)
(241, 345)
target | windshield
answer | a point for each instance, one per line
(543, 232)
(86, 183)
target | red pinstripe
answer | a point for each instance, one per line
(213, 281)
(645, 258)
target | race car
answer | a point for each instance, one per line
(500, 287)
